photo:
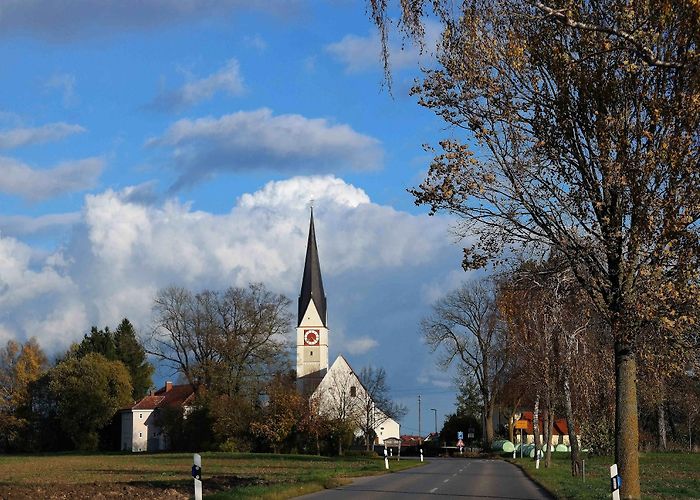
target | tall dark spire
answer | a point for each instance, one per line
(311, 283)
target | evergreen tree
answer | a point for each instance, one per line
(131, 352)
(120, 345)
(99, 341)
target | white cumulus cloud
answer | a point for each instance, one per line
(35, 184)
(24, 225)
(228, 80)
(260, 140)
(123, 251)
(363, 53)
(23, 136)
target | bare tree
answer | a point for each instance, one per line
(465, 326)
(375, 401)
(550, 329)
(231, 342)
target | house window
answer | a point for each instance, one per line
(140, 434)
(140, 415)
(353, 391)
(311, 353)
(154, 434)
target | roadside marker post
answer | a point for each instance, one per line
(421, 454)
(197, 475)
(615, 482)
(386, 459)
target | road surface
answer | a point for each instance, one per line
(444, 478)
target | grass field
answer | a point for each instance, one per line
(167, 475)
(664, 476)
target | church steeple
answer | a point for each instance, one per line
(312, 283)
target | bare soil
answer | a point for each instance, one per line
(144, 490)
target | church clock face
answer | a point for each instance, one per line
(311, 337)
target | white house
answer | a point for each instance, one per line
(338, 390)
(141, 426)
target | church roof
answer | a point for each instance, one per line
(312, 284)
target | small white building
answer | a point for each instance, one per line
(140, 423)
(338, 390)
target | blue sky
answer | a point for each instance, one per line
(151, 143)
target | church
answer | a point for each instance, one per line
(338, 391)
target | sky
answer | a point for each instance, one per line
(152, 143)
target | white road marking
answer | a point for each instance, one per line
(446, 480)
(433, 490)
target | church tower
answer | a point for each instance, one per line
(312, 328)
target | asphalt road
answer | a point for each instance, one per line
(444, 478)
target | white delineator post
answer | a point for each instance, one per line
(386, 459)
(615, 482)
(421, 454)
(197, 475)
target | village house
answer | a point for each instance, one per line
(141, 424)
(560, 431)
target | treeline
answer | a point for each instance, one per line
(70, 404)
(233, 347)
(531, 339)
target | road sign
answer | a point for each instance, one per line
(460, 435)
(520, 424)
(460, 444)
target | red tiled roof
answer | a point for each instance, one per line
(559, 428)
(407, 440)
(178, 395)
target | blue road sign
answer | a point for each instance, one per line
(460, 435)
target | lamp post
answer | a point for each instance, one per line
(435, 414)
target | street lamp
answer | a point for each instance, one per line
(435, 413)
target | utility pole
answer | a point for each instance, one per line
(435, 412)
(420, 436)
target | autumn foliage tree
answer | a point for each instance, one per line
(583, 123)
(282, 413)
(20, 366)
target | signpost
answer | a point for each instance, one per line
(386, 459)
(522, 425)
(197, 475)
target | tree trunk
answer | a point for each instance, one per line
(626, 421)
(550, 430)
(511, 424)
(536, 425)
(661, 419)
(569, 414)
(488, 426)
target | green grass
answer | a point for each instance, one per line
(663, 476)
(225, 475)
